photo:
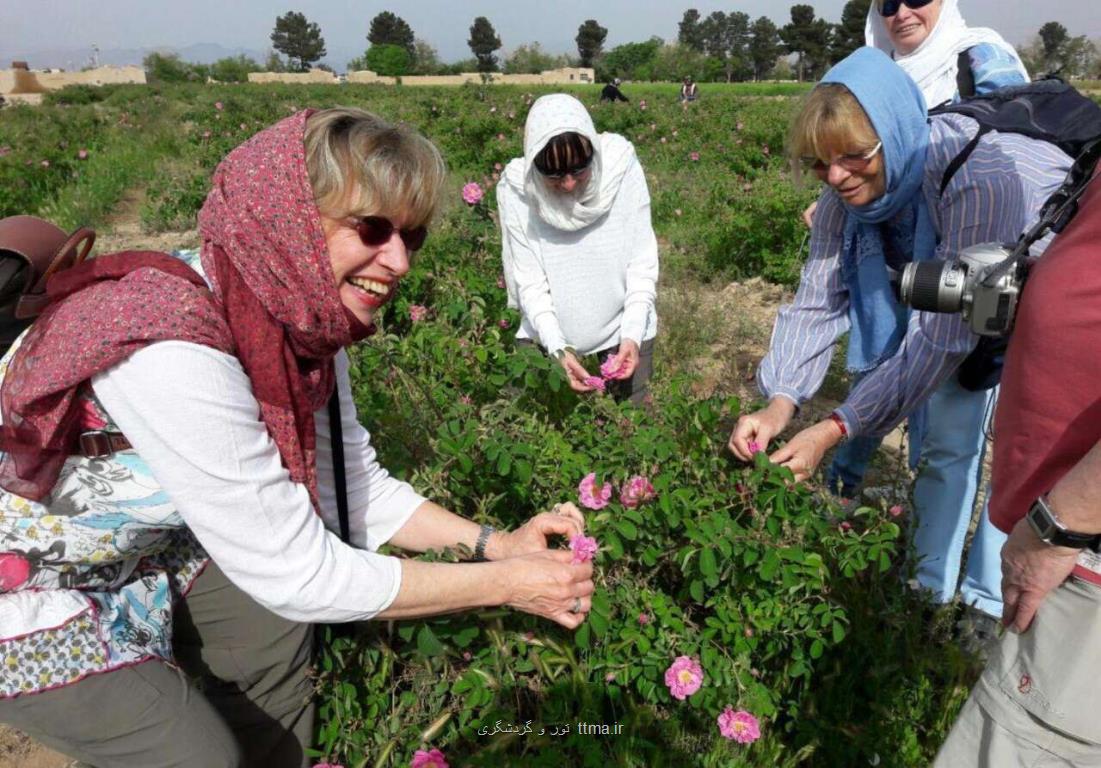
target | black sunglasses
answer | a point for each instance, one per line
(574, 170)
(888, 8)
(377, 230)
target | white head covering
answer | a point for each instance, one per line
(612, 156)
(933, 64)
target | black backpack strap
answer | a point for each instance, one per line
(961, 158)
(336, 432)
(965, 76)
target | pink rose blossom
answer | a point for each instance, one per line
(583, 548)
(635, 491)
(754, 446)
(417, 312)
(611, 367)
(845, 526)
(596, 383)
(528, 636)
(764, 149)
(218, 106)
(740, 726)
(593, 496)
(644, 618)
(501, 282)
(5, 151)
(206, 134)
(472, 193)
(82, 154)
(328, 765)
(693, 156)
(14, 570)
(684, 677)
(433, 758)
(502, 323)
(467, 656)
(498, 167)
(500, 137)
(610, 677)
(895, 511)
(466, 400)
(45, 163)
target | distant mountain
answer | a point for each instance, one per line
(199, 53)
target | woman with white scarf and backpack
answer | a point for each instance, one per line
(579, 252)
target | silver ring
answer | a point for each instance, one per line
(557, 509)
(576, 607)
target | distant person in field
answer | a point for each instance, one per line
(948, 61)
(865, 133)
(689, 91)
(579, 252)
(169, 514)
(612, 93)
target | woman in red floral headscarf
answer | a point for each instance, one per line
(168, 509)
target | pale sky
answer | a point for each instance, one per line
(37, 25)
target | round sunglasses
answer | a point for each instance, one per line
(377, 230)
(574, 171)
(888, 8)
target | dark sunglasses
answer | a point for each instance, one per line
(574, 170)
(377, 230)
(888, 8)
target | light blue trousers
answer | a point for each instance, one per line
(944, 501)
(944, 497)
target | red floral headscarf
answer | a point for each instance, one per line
(273, 303)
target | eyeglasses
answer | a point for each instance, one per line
(377, 230)
(574, 171)
(888, 8)
(853, 162)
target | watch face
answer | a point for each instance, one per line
(1041, 521)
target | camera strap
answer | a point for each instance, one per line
(1056, 212)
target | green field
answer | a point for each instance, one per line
(795, 607)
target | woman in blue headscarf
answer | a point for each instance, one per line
(865, 132)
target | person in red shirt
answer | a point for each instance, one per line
(1035, 703)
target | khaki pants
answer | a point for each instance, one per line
(1038, 702)
(242, 698)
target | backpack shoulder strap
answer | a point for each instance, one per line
(961, 158)
(965, 76)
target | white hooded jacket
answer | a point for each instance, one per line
(581, 268)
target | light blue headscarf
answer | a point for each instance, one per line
(897, 111)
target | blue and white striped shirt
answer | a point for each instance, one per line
(994, 197)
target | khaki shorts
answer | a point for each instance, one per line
(1038, 702)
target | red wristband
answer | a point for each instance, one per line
(840, 425)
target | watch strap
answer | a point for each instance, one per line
(1047, 526)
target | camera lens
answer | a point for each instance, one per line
(933, 286)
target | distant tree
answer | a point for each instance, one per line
(168, 68)
(388, 60)
(673, 62)
(1054, 38)
(460, 66)
(764, 47)
(483, 42)
(273, 63)
(390, 29)
(298, 39)
(688, 31)
(726, 39)
(426, 61)
(590, 41)
(531, 60)
(234, 69)
(809, 39)
(849, 34)
(631, 61)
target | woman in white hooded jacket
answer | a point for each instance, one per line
(579, 252)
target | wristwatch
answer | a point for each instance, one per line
(1049, 528)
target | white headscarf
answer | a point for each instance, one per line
(612, 156)
(933, 64)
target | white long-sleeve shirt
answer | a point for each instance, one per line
(591, 288)
(214, 458)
